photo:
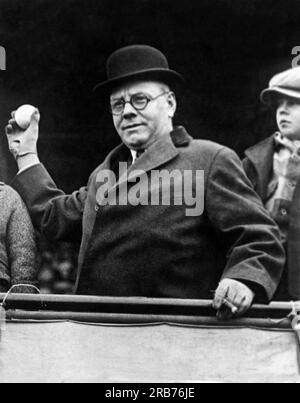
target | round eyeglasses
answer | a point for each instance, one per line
(138, 101)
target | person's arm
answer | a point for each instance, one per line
(21, 245)
(255, 254)
(56, 215)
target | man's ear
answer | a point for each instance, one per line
(172, 103)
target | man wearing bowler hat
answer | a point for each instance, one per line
(231, 248)
(274, 168)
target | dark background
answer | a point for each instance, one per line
(56, 51)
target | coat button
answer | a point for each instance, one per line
(97, 208)
(283, 212)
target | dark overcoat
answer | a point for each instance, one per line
(258, 165)
(157, 250)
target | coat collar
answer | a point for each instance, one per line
(158, 154)
(161, 152)
(261, 156)
(257, 153)
(180, 137)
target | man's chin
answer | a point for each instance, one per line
(135, 140)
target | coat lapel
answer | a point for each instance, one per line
(261, 157)
(161, 152)
(110, 170)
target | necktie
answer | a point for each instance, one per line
(139, 153)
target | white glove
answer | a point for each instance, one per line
(23, 142)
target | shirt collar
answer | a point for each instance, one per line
(133, 154)
(136, 154)
(283, 142)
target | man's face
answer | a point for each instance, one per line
(288, 117)
(139, 129)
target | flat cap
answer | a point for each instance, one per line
(286, 83)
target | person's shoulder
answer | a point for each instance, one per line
(8, 192)
(6, 189)
(207, 145)
(104, 164)
(205, 154)
(10, 200)
(199, 145)
(95, 172)
(265, 143)
(209, 149)
(93, 175)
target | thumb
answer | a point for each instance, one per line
(35, 118)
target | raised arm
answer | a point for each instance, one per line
(55, 214)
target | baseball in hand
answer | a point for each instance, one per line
(23, 116)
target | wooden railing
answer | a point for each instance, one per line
(122, 311)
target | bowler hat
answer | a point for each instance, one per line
(139, 62)
(286, 83)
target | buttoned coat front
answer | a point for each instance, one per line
(158, 250)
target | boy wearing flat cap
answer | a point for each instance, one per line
(274, 169)
(153, 248)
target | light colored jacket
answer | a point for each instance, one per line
(17, 243)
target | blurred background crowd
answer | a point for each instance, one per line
(58, 264)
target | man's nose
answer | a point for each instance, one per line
(128, 110)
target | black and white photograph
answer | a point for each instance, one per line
(150, 194)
